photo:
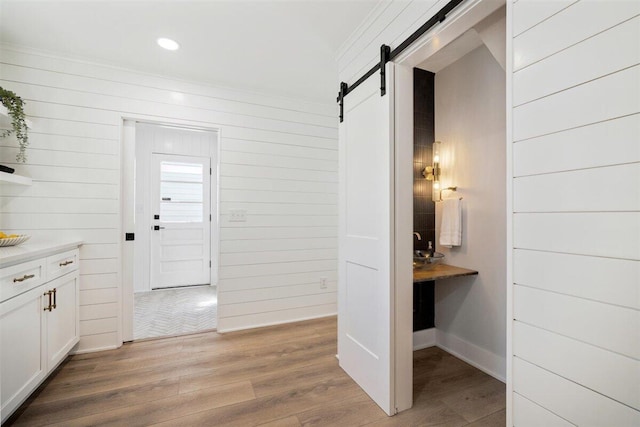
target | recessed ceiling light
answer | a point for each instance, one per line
(168, 44)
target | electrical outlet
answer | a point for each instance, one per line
(323, 283)
(237, 215)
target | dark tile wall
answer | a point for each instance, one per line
(424, 314)
(424, 209)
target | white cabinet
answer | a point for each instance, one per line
(19, 278)
(62, 329)
(39, 323)
(22, 350)
(62, 263)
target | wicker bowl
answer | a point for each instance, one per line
(14, 241)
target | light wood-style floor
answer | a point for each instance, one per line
(277, 376)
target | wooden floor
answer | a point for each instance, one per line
(278, 376)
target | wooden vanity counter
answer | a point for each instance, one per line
(441, 271)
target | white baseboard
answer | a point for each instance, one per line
(424, 339)
(283, 322)
(478, 357)
(94, 350)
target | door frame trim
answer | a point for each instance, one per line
(460, 20)
(127, 175)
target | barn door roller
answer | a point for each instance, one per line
(386, 55)
(341, 95)
(384, 58)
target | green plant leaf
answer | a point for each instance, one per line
(15, 107)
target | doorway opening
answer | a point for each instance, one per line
(459, 131)
(465, 59)
(376, 227)
(172, 211)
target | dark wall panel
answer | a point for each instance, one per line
(424, 209)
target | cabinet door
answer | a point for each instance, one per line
(21, 348)
(62, 321)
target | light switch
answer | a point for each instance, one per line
(238, 215)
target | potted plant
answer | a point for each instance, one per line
(15, 108)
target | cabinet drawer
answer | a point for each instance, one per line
(62, 263)
(20, 278)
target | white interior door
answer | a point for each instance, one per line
(365, 272)
(181, 206)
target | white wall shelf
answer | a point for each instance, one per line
(15, 179)
(5, 119)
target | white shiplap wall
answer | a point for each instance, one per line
(576, 213)
(278, 162)
(390, 23)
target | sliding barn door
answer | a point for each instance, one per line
(365, 296)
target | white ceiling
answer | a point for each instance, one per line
(490, 32)
(285, 47)
(452, 52)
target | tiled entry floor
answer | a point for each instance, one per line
(167, 312)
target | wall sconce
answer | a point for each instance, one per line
(432, 173)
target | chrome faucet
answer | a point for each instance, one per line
(415, 233)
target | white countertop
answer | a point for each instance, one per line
(33, 249)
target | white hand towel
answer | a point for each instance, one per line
(451, 224)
